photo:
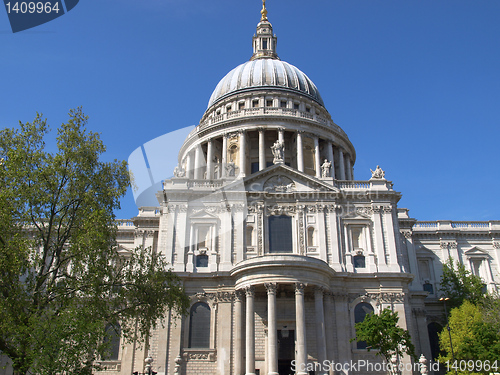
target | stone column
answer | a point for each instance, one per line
(250, 332)
(197, 163)
(189, 165)
(317, 161)
(272, 333)
(348, 167)
(320, 325)
(300, 325)
(341, 165)
(331, 158)
(243, 153)
(210, 161)
(238, 340)
(262, 149)
(224, 154)
(300, 152)
(281, 135)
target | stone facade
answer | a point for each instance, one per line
(280, 248)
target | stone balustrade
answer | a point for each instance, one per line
(457, 225)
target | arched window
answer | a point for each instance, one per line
(280, 234)
(112, 342)
(199, 326)
(360, 312)
(311, 240)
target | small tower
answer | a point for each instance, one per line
(264, 42)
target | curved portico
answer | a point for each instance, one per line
(275, 274)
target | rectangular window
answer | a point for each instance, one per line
(229, 108)
(269, 103)
(241, 105)
(280, 234)
(255, 103)
(296, 106)
(283, 104)
(264, 44)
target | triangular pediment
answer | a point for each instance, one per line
(477, 252)
(124, 250)
(281, 178)
(202, 213)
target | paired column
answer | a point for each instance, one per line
(300, 325)
(272, 332)
(197, 163)
(262, 150)
(349, 168)
(317, 160)
(300, 151)
(250, 331)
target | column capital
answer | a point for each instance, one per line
(249, 291)
(299, 288)
(239, 295)
(271, 288)
(261, 129)
(299, 131)
(281, 129)
(242, 131)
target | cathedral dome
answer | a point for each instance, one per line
(265, 73)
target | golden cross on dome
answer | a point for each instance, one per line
(264, 11)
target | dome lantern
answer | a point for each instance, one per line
(264, 42)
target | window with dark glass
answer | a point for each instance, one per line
(359, 261)
(264, 44)
(255, 103)
(112, 342)
(360, 312)
(295, 105)
(202, 260)
(283, 104)
(241, 105)
(429, 288)
(199, 326)
(280, 234)
(269, 103)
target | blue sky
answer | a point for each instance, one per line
(414, 83)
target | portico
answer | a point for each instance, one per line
(279, 282)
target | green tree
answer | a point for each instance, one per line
(62, 280)
(383, 333)
(458, 284)
(475, 340)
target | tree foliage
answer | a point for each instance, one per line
(474, 338)
(458, 284)
(383, 333)
(62, 280)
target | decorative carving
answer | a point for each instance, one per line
(239, 295)
(496, 245)
(325, 168)
(281, 210)
(271, 288)
(299, 288)
(302, 240)
(378, 173)
(183, 208)
(376, 209)
(392, 297)
(407, 234)
(278, 149)
(387, 209)
(224, 296)
(179, 172)
(249, 291)
(279, 184)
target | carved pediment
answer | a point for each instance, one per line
(204, 213)
(423, 252)
(281, 178)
